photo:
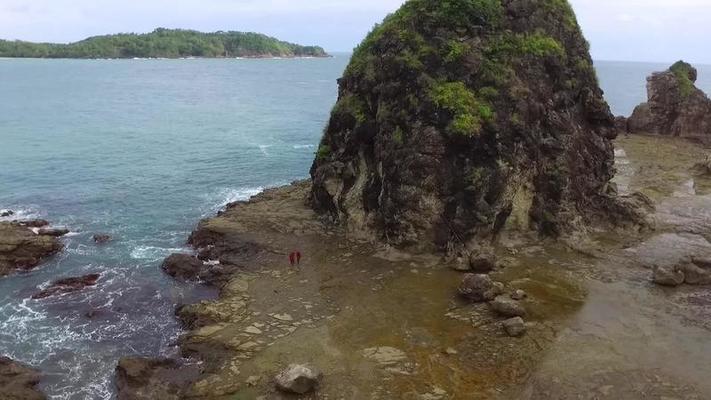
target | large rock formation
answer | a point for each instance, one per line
(17, 382)
(458, 117)
(675, 105)
(21, 248)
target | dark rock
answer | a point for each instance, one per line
(299, 379)
(17, 382)
(514, 327)
(6, 213)
(183, 266)
(675, 106)
(100, 238)
(34, 223)
(22, 249)
(154, 379)
(430, 149)
(68, 285)
(480, 288)
(56, 232)
(668, 276)
(482, 259)
(507, 307)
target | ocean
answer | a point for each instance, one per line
(141, 150)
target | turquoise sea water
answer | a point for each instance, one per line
(141, 150)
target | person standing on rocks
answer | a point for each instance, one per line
(298, 257)
(292, 257)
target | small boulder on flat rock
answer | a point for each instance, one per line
(101, 238)
(519, 295)
(299, 379)
(668, 276)
(480, 288)
(514, 327)
(508, 307)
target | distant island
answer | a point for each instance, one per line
(164, 43)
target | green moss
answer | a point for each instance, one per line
(519, 45)
(398, 135)
(323, 152)
(456, 50)
(468, 113)
(683, 72)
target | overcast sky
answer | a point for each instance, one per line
(635, 30)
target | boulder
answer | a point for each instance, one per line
(519, 295)
(453, 117)
(183, 266)
(17, 381)
(68, 285)
(56, 232)
(480, 288)
(101, 238)
(22, 249)
(507, 307)
(514, 327)
(675, 106)
(482, 259)
(668, 276)
(154, 379)
(298, 379)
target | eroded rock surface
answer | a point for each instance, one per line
(299, 379)
(23, 249)
(17, 382)
(675, 106)
(153, 379)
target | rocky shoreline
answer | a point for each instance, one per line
(25, 244)
(17, 381)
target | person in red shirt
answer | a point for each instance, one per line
(292, 256)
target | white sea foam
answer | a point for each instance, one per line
(303, 146)
(154, 253)
(263, 148)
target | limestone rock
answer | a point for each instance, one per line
(429, 146)
(299, 379)
(675, 106)
(17, 382)
(668, 276)
(480, 288)
(514, 327)
(507, 307)
(22, 249)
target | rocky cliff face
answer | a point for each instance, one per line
(675, 105)
(456, 118)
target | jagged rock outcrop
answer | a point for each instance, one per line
(675, 106)
(457, 118)
(23, 249)
(67, 285)
(17, 381)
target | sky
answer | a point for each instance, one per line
(627, 30)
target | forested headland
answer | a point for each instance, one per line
(164, 43)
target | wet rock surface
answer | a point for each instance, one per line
(152, 379)
(101, 238)
(17, 381)
(480, 288)
(514, 327)
(675, 105)
(23, 249)
(183, 266)
(67, 285)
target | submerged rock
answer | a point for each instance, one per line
(101, 238)
(508, 307)
(480, 288)
(22, 249)
(17, 382)
(514, 327)
(68, 285)
(454, 116)
(152, 379)
(675, 106)
(6, 213)
(299, 379)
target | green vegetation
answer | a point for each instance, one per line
(164, 43)
(468, 113)
(684, 73)
(323, 152)
(517, 45)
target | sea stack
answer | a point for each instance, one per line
(675, 106)
(458, 118)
